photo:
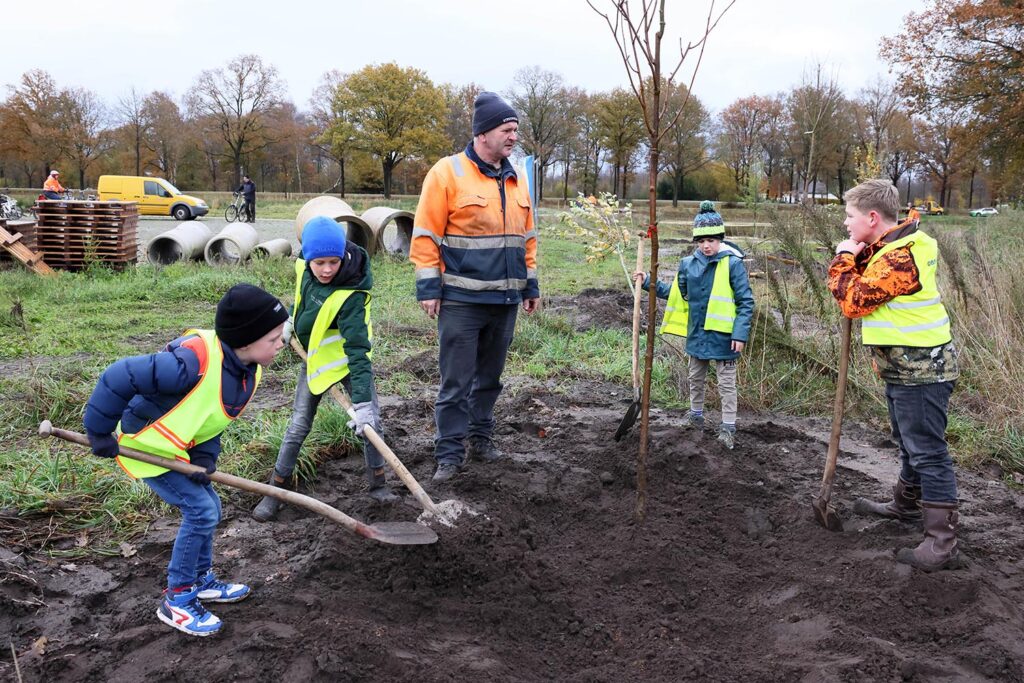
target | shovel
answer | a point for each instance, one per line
(389, 455)
(629, 419)
(823, 510)
(394, 533)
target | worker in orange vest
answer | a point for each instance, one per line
(912, 213)
(52, 188)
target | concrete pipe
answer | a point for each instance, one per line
(392, 229)
(184, 242)
(324, 205)
(232, 245)
(278, 248)
(356, 228)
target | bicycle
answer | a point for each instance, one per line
(237, 210)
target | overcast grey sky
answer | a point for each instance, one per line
(760, 47)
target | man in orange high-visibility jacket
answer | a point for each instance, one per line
(475, 250)
(52, 187)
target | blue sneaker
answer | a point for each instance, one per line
(184, 612)
(213, 590)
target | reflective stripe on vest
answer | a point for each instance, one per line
(918, 319)
(197, 417)
(326, 362)
(721, 313)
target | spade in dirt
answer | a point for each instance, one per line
(393, 533)
(629, 419)
(823, 510)
(446, 512)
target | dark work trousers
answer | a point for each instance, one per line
(918, 417)
(250, 208)
(474, 341)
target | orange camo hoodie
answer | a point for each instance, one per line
(861, 288)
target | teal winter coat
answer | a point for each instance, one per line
(696, 275)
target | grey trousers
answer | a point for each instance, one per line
(725, 370)
(303, 412)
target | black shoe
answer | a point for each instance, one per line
(445, 471)
(483, 450)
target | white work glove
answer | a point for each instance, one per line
(287, 334)
(364, 416)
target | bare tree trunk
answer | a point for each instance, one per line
(565, 184)
(388, 169)
(633, 39)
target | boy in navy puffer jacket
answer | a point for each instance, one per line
(175, 404)
(711, 304)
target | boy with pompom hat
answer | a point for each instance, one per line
(175, 404)
(711, 304)
(331, 319)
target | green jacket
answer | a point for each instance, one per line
(354, 274)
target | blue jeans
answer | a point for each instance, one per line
(50, 194)
(474, 341)
(192, 555)
(303, 412)
(918, 418)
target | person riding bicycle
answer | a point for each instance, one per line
(248, 190)
(52, 189)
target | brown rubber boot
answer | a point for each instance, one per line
(939, 548)
(904, 505)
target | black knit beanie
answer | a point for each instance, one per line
(246, 313)
(490, 111)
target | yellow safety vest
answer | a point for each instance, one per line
(721, 314)
(917, 319)
(199, 416)
(326, 361)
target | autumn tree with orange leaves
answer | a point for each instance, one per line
(968, 56)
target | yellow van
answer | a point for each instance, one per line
(155, 196)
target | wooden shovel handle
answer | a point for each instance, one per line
(837, 411)
(636, 317)
(47, 429)
(339, 395)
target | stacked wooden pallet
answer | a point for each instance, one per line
(27, 228)
(12, 242)
(74, 234)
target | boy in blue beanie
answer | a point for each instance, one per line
(711, 304)
(168, 404)
(331, 319)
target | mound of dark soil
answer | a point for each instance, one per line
(728, 578)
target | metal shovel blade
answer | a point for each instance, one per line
(628, 420)
(826, 514)
(402, 533)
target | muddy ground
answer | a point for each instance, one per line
(729, 578)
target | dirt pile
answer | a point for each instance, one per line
(728, 579)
